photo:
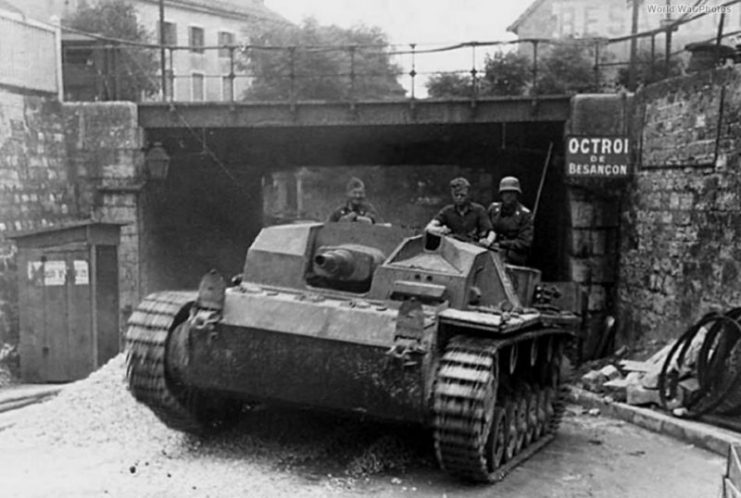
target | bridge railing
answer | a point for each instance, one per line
(357, 72)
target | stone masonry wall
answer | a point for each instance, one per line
(104, 146)
(681, 236)
(594, 220)
(35, 190)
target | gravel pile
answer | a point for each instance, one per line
(269, 445)
(97, 410)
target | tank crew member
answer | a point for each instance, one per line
(356, 208)
(464, 219)
(512, 222)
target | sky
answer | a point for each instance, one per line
(424, 22)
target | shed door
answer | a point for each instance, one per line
(59, 292)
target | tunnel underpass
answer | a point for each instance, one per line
(210, 207)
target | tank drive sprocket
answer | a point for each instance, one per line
(151, 326)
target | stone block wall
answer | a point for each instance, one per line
(104, 145)
(35, 188)
(594, 220)
(681, 236)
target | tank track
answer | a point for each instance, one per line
(146, 339)
(467, 403)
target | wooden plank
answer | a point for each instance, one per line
(31, 310)
(635, 366)
(106, 302)
(55, 346)
(79, 361)
(734, 466)
(730, 490)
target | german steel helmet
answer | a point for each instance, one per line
(510, 184)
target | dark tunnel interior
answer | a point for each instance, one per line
(210, 207)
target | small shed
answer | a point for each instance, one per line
(68, 300)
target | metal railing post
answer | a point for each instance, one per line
(292, 75)
(653, 58)
(232, 75)
(668, 51)
(171, 74)
(596, 65)
(413, 72)
(352, 72)
(534, 90)
(474, 74)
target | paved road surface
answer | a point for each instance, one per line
(299, 454)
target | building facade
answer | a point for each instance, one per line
(197, 70)
(579, 19)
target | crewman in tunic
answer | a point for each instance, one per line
(512, 222)
(356, 208)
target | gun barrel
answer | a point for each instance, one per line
(336, 262)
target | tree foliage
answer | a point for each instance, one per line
(563, 68)
(567, 68)
(311, 70)
(135, 72)
(650, 69)
(506, 73)
(443, 85)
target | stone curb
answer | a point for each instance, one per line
(705, 436)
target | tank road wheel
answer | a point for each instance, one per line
(153, 340)
(467, 427)
(532, 417)
(521, 421)
(542, 417)
(495, 445)
(510, 412)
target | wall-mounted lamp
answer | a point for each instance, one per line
(157, 162)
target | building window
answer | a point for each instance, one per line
(227, 88)
(225, 38)
(171, 33)
(196, 39)
(198, 82)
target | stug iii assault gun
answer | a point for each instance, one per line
(356, 318)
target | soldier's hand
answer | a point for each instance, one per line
(364, 219)
(483, 241)
(349, 217)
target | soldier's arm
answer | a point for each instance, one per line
(335, 216)
(437, 224)
(524, 239)
(486, 231)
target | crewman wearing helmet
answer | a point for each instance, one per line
(356, 208)
(512, 222)
(464, 219)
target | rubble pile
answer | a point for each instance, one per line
(698, 374)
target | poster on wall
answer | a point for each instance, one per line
(597, 156)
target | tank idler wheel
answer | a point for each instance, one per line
(496, 443)
(521, 402)
(510, 423)
(532, 417)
